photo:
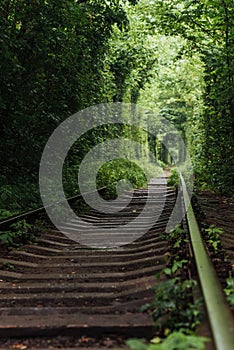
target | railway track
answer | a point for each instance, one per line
(59, 287)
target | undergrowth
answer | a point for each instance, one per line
(173, 180)
(212, 238)
(20, 233)
(174, 311)
(120, 174)
(229, 290)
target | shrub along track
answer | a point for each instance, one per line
(58, 287)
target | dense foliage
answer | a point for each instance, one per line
(53, 64)
(207, 27)
(58, 57)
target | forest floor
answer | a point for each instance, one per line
(218, 210)
(64, 342)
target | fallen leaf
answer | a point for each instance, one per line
(19, 346)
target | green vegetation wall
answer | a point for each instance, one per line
(208, 28)
(52, 64)
(59, 56)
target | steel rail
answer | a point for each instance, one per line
(219, 314)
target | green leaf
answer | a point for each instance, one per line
(136, 344)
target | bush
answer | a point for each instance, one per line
(174, 180)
